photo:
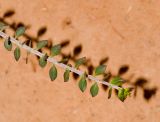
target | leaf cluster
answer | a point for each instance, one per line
(56, 50)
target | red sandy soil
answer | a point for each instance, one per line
(126, 31)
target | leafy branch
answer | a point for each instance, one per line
(115, 83)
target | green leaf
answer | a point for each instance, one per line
(94, 89)
(8, 44)
(83, 83)
(17, 53)
(100, 70)
(80, 62)
(110, 93)
(43, 61)
(41, 44)
(121, 94)
(66, 75)
(20, 31)
(55, 50)
(2, 26)
(117, 81)
(127, 92)
(53, 73)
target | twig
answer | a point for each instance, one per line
(52, 60)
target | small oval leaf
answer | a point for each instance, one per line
(100, 70)
(17, 53)
(43, 61)
(121, 95)
(55, 50)
(83, 83)
(117, 81)
(20, 31)
(2, 26)
(94, 89)
(66, 75)
(41, 44)
(127, 92)
(53, 73)
(8, 44)
(110, 93)
(80, 62)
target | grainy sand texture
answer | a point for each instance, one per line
(126, 33)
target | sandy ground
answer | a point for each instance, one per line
(125, 31)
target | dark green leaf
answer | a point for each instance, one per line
(66, 75)
(121, 94)
(20, 31)
(8, 44)
(80, 62)
(53, 73)
(100, 70)
(43, 61)
(94, 89)
(110, 93)
(83, 83)
(2, 26)
(41, 44)
(17, 53)
(117, 81)
(55, 50)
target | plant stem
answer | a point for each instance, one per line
(52, 60)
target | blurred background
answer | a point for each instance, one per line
(124, 35)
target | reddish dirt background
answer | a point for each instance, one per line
(126, 31)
